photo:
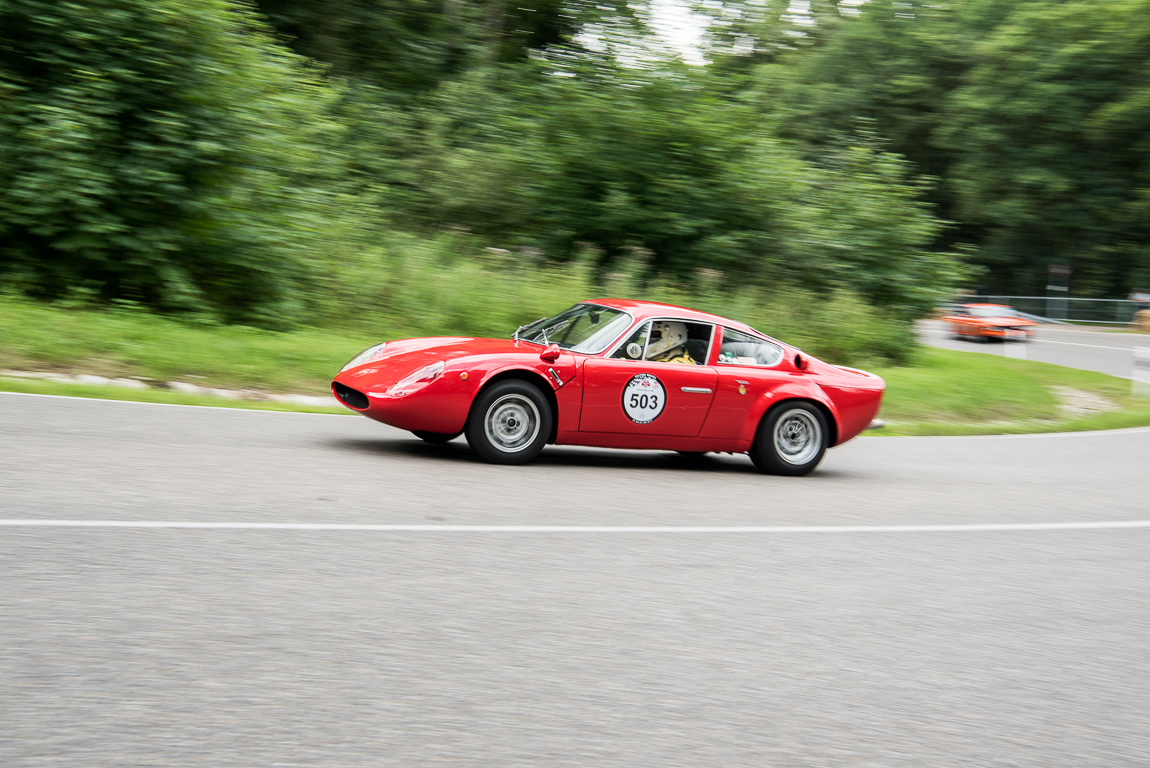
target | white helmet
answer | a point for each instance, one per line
(670, 336)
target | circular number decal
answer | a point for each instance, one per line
(644, 398)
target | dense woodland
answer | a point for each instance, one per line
(291, 160)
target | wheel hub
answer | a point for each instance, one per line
(797, 437)
(512, 423)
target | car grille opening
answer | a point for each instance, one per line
(352, 398)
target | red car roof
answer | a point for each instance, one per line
(642, 310)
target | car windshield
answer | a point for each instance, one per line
(992, 311)
(585, 328)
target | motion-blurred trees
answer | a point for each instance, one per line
(1050, 135)
(411, 46)
(1031, 115)
(658, 168)
(161, 151)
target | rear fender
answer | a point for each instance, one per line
(797, 390)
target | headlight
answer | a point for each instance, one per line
(365, 356)
(417, 380)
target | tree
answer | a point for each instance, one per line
(1032, 116)
(408, 47)
(1050, 136)
(174, 167)
(655, 164)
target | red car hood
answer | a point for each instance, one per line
(406, 356)
(450, 347)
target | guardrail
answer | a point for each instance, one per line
(1058, 308)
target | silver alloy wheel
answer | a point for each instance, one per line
(512, 423)
(798, 436)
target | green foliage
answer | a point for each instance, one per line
(1049, 134)
(1031, 114)
(173, 166)
(420, 286)
(627, 163)
(199, 166)
(411, 46)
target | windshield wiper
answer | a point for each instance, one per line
(515, 335)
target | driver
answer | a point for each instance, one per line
(669, 343)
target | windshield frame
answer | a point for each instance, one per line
(993, 312)
(541, 324)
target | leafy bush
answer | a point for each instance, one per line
(159, 151)
(446, 285)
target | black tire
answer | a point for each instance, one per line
(510, 422)
(436, 438)
(792, 439)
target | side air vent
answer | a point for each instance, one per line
(352, 398)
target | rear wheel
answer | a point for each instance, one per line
(436, 438)
(509, 423)
(792, 440)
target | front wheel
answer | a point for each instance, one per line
(509, 423)
(792, 440)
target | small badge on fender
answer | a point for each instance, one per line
(644, 398)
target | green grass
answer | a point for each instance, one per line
(944, 393)
(122, 343)
(966, 393)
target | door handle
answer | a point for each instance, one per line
(697, 390)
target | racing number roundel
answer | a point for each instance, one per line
(644, 398)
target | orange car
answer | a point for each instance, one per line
(979, 322)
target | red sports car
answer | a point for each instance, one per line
(618, 374)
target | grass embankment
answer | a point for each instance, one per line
(967, 393)
(951, 393)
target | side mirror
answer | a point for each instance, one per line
(550, 354)
(800, 362)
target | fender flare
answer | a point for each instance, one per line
(807, 391)
(529, 375)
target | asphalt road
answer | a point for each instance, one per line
(175, 647)
(1092, 350)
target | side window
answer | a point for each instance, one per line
(633, 347)
(674, 341)
(743, 349)
(668, 341)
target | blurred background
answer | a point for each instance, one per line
(826, 171)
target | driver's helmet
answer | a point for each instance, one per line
(666, 337)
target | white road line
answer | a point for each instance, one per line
(1101, 525)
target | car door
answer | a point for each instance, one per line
(631, 394)
(746, 369)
